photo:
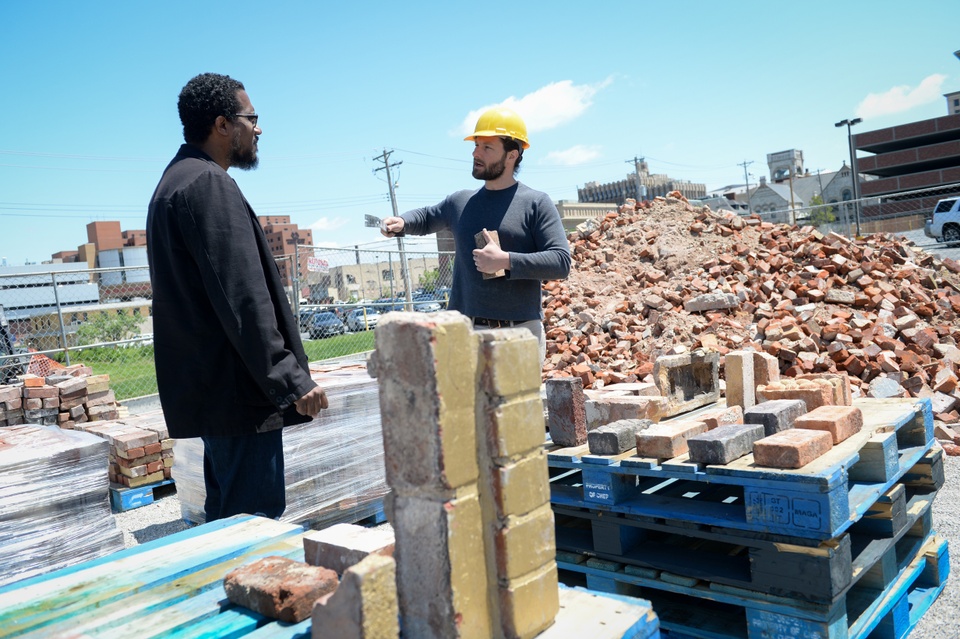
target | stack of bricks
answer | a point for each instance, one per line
(58, 400)
(141, 450)
(463, 428)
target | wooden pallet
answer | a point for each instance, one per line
(771, 564)
(818, 501)
(174, 587)
(123, 498)
(885, 609)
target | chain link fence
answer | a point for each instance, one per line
(893, 213)
(56, 315)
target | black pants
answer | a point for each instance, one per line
(244, 475)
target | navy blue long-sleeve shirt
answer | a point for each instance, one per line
(529, 229)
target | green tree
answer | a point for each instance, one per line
(820, 214)
(430, 280)
(106, 327)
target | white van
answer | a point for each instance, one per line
(944, 226)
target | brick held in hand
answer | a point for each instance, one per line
(279, 588)
(481, 241)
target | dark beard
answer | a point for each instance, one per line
(244, 159)
(491, 172)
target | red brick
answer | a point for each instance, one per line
(792, 448)
(842, 422)
(279, 588)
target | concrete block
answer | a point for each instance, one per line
(792, 448)
(668, 440)
(841, 422)
(687, 381)
(616, 437)
(566, 418)
(364, 605)
(724, 444)
(343, 545)
(776, 415)
(279, 588)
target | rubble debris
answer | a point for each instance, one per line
(876, 308)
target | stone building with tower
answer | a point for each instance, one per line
(640, 185)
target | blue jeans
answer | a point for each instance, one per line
(244, 475)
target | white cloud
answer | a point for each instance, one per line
(575, 155)
(901, 98)
(328, 224)
(547, 107)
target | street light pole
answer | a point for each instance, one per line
(853, 168)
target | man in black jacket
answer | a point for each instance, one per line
(230, 365)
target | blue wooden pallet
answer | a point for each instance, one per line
(818, 501)
(695, 609)
(173, 587)
(123, 498)
(787, 567)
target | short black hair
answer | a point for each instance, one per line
(202, 100)
(511, 144)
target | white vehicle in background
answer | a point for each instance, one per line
(944, 225)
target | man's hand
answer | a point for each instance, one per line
(312, 403)
(391, 226)
(491, 258)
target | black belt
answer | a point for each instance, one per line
(493, 323)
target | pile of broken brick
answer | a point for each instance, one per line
(665, 277)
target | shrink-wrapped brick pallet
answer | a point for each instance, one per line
(333, 464)
(54, 501)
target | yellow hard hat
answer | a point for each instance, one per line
(501, 122)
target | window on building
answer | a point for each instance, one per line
(351, 279)
(956, 102)
(387, 275)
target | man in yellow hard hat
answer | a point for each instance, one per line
(532, 243)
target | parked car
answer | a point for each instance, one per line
(325, 324)
(362, 319)
(306, 315)
(944, 225)
(427, 307)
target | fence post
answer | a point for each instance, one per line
(296, 276)
(63, 332)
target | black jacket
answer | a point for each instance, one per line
(228, 351)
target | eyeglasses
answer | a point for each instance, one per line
(253, 117)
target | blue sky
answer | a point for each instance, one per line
(89, 97)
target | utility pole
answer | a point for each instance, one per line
(393, 202)
(746, 180)
(636, 171)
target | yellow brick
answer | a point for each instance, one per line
(512, 361)
(517, 426)
(529, 604)
(522, 486)
(526, 543)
